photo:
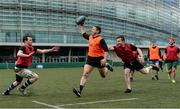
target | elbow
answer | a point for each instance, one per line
(18, 54)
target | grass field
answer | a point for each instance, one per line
(55, 88)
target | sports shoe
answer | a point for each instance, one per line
(6, 93)
(21, 91)
(109, 67)
(128, 91)
(157, 78)
(78, 94)
(173, 81)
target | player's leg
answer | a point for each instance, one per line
(103, 71)
(161, 65)
(173, 71)
(173, 74)
(169, 69)
(152, 75)
(13, 85)
(127, 69)
(157, 70)
(131, 74)
(109, 67)
(145, 70)
(87, 70)
(127, 80)
(32, 77)
(151, 71)
(139, 67)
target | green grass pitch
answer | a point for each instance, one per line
(55, 88)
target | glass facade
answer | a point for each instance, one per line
(53, 21)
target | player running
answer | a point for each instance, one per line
(125, 52)
(97, 56)
(22, 63)
(171, 57)
(154, 56)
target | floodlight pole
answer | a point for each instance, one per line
(20, 4)
(21, 20)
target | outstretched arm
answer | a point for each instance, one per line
(42, 51)
(111, 48)
(21, 54)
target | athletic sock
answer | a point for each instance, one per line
(26, 84)
(11, 87)
(81, 88)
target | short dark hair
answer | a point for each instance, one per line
(25, 37)
(98, 28)
(120, 36)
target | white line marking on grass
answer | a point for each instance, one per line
(103, 101)
(49, 105)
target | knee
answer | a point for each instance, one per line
(173, 70)
(85, 75)
(17, 82)
(34, 78)
(127, 74)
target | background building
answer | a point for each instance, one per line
(52, 22)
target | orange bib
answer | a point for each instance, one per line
(154, 53)
(95, 49)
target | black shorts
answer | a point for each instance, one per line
(18, 78)
(134, 65)
(95, 61)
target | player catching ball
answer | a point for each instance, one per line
(22, 63)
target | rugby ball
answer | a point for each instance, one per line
(80, 20)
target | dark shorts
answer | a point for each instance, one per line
(134, 65)
(171, 64)
(18, 78)
(95, 61)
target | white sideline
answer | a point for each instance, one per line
(103, 101)
(49, 105)
(84, 103)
